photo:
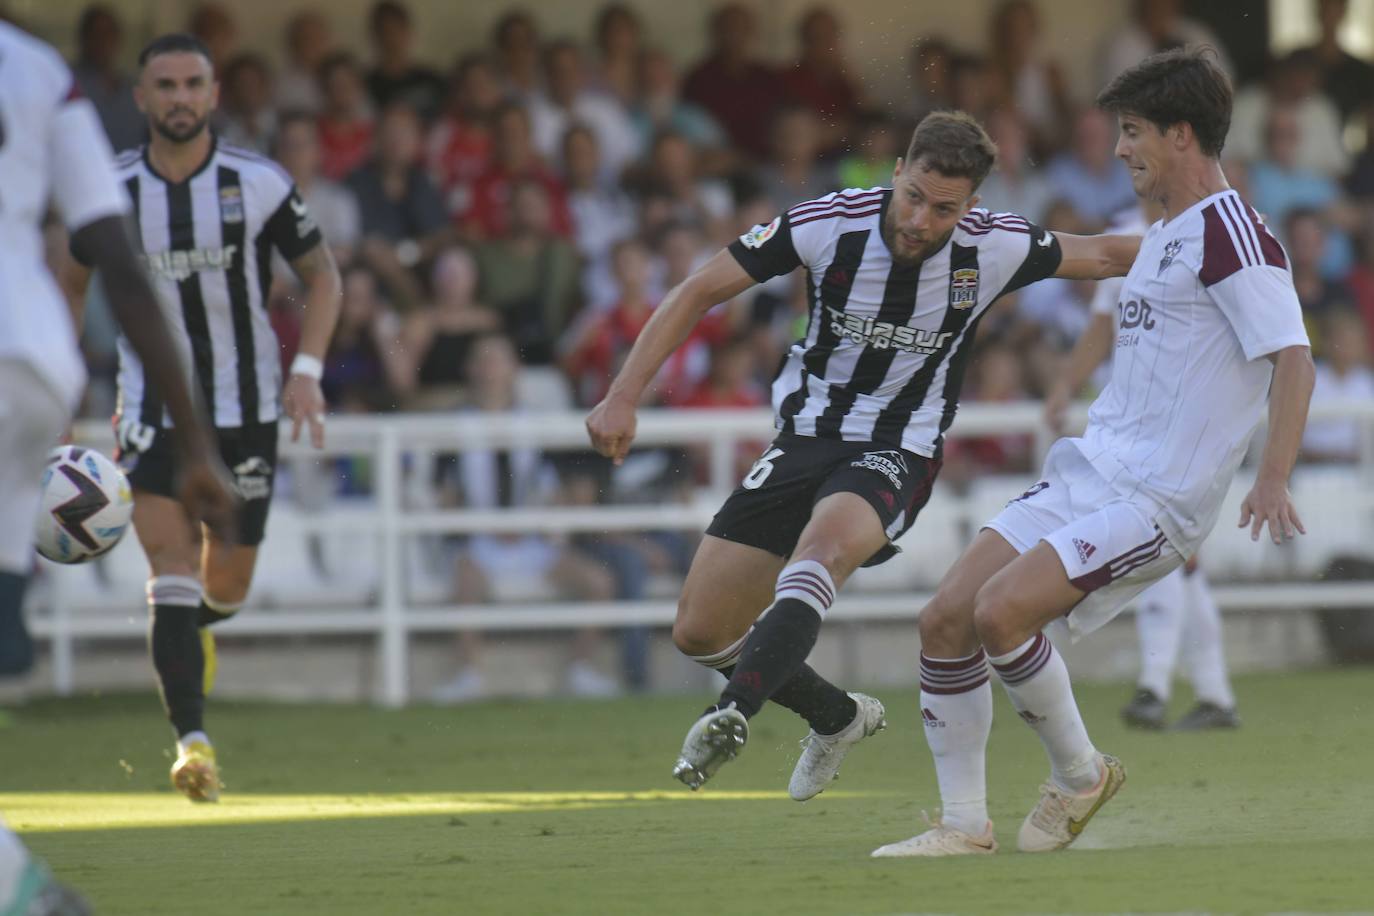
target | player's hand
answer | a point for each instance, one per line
(1056, 406)
(207, 496)
(1269, 501)
(611, 425)
(304, 403)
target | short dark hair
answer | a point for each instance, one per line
(1183, 86)
(387, 10)
(954, 144)
(174, 43)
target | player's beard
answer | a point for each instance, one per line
(182, 134)
(889, 233)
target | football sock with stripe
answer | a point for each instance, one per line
(825, 707)
(1037, 681)
(782, 638)
(212, 612)
(1204, 653)
(956, 709)
(176, 649)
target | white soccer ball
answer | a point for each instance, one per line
(86, 505)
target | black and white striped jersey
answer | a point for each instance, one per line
(887, 344)
(207, 243)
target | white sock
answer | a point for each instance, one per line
(1159, 617)
(191, 738)
(1204, 652)
(1037, 681)
(956, 705)
(14, 859)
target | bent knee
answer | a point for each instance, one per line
(994, 617)
(946, 623)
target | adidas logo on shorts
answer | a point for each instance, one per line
(1085, 550)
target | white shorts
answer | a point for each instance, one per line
(1110, 546)
(33, 417)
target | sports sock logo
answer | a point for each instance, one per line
(931, 720)
(1085, 550)
(1030, 717)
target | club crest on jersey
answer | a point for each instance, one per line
(755, 237)
(231, 204)
(963, 288)
(1171, 251)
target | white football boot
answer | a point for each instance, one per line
(940, 840)
(822, 754)
(1062, 814)
(715, 738)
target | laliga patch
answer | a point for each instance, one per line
(755, 237)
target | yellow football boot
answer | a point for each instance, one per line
(195, 773)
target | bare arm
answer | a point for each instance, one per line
(1090, 351)
(1289, 396)
(1096, 257)
(302, 398)
(611, 423)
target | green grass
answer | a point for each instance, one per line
(561, 807)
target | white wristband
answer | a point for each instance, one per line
(308, 366)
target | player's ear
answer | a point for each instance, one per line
(214, 95)
(897, 170)
(138, 97)
(970, 204)
(1180, 133)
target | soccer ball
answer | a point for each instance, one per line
(86, 505)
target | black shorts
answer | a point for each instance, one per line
(774, 502)
(147, 456)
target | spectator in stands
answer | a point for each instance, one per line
(214, 25)
(619, 44)
(404, 223)
(332, 205)
(1343, 374)
(460, 146)
(680, 250)
(1346, 79)
(602, 214)
(685, 196)
(1015, 186)
(439, 339)
(566, 100)
(1025, 78)
(1088, 175)
(345, 123)
(820, 80)
(516, 39)
(660, 108)
(99, 37)
(1306, 236)
(1361, 279)
(514, 159)
(731, 84)
(245, 116)
(1360, 181)
(490, 565)
(530, 275)
(309, 41)
(876, 147)
(397, 77)
(795, 172)
(729, 382)
(1279, 184)
(1156, 25)
(930, 89)
(1293, 81)
(366, 369)
(971, 86)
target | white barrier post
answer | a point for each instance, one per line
(393, 643)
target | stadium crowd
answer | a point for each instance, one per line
(506, 224)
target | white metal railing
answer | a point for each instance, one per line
(391, 618)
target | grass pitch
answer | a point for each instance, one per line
(564, 807)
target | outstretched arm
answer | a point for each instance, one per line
(611, 424)
(1289, 397)
(1096, 257)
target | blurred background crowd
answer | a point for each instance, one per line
(507, 221)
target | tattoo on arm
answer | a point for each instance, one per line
(314, 262)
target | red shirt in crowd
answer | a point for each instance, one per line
(458, 154)
(488, 211)
(739, 101)
(829, 97)
(343, 147)
(596, 358)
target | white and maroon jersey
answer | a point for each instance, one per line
(1209, 297)
(51, 148)
(886, 344)
(207, 242)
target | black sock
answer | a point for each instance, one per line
(825, 707)
(773, 654)
(180, 664)
(207, 616)
(16, 646)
